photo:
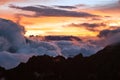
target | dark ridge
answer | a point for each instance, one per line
(2, 70)
(104, 65)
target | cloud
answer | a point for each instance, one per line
(50, 11)
(89, 26)
(92, 25)
(114, 39)
(108, 33)
(8, 60)
(11, 32)
(4, 44)
(110, 36)
(67, 7)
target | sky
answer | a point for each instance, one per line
(83, 18)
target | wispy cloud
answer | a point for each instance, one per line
(89, 26)
(67, 7)
(50, 11)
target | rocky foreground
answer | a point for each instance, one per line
(104, 65)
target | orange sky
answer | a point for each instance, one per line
(62, 25)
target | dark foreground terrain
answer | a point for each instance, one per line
(104, 65)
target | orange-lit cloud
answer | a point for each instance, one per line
(7, 1)
(52, 20)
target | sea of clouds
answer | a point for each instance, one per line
(15, 48)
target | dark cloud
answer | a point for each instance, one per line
(108, 33)
(67, 7)
(49, 11)
(93, 25)
(89, 26)
(43, 6)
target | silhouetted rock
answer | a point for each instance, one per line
(104, 65)
(2, 70)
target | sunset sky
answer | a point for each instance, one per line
(63, 17)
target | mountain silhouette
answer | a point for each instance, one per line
(104, 65)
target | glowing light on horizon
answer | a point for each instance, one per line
(34, 32)
(68, 31)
